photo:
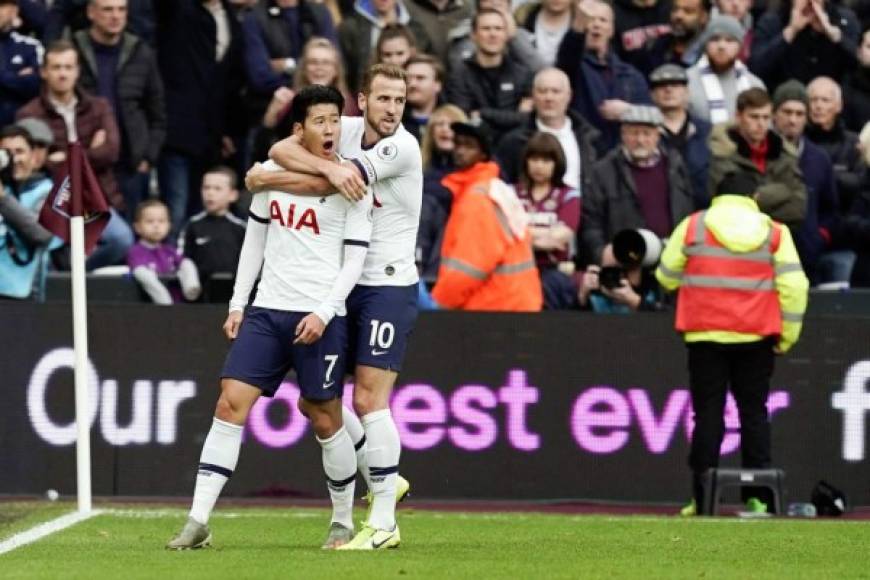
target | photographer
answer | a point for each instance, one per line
(622, 285)
(22, 239)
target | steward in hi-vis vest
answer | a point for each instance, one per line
(742, 296)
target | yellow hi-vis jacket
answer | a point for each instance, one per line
(738, 225)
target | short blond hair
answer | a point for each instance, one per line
(390, 71)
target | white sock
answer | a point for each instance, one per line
(358, 436)
(339, 464)
(220, 454)
(384, 449)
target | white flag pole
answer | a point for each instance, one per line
(80, 346)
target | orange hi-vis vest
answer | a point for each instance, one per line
(726, 290)
(484, 266)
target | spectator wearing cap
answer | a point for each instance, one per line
(749, 146)
(122, 68)
(814, 236)
(20, 59)
(639, 184)
(719, 76)
(23, 242)
(551, 95)
(742, 297)
(805, 39)
(684, 44)
(490, 84)
(486, 257)
(42, 138)
(680, 130)
(740, 10)
(828, 130)
(603, 85)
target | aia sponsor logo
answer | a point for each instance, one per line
(287, 219)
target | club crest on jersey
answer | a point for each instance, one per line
(388, 151)
(308, 218)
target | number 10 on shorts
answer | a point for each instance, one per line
(382, 336)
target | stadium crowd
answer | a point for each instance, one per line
(600, 117)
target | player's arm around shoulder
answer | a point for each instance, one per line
(792, 288)
(673, 261)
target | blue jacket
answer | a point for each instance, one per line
(696, 154)
(592, 84)
(18, 271)
(822, 206)
(273, 32)
(17, 52)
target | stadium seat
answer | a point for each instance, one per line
(717, 479)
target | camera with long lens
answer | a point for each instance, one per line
(637, 248)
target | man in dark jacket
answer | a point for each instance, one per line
(684, 44)
(120, 67)
(639, 24)
(827, 130)
(551, 93)
(803, 40)
(637, 185)
(491, 85)
(275, 31)
(199, 53)
(750, 146)
(813, 238)
(604, 86)
(66, 17)
(20, 57)
(680, 130)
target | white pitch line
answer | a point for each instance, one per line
(42, 530)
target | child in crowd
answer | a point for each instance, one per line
(150, 257)
(554, 216)
(213, 238)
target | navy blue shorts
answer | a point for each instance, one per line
(380, 320)
(263, 353)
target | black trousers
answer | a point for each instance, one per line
(746, 370)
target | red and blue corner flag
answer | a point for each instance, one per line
(76, 192)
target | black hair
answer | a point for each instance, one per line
(17, 131)
(314, 95)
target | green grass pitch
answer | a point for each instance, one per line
(283, 543)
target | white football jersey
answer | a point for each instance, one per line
(393, 170)
(305, 245)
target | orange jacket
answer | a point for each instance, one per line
(484, 266)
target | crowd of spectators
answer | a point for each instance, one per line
(600, 117)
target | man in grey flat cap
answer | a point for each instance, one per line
(680, 130)
(719, 76)
(639, 184)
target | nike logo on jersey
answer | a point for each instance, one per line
(376, 352)
(201, 241)
(328, 385)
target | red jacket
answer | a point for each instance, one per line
(92, 114)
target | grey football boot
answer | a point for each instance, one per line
(194, 535)
(338, 535)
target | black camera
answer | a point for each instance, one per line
(611, 277)
(5, 166)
